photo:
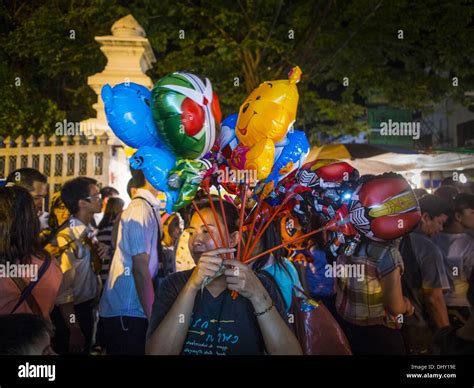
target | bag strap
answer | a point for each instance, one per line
(271, 278)
(302, 292)
(26, 291)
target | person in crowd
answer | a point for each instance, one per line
(369, 299)
(105, 193)
(188, 321)
(183, 257)
(74, 317)
(112, 212)
(420, 193)
(447, 192)
(131, 191)
(457, 247)
(58, 218)
(25, 335)
(172, 229)
(458, 339)
(425, 278)
(20, 245)
(37, 185)
(320, 286)
(276, 266)
(128, 296)
(131, 188)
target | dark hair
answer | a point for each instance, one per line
(108, 191)
(138, 178)
(27, 176)
(74, 190)
(271, 238)
(434, 206)
(463, 201)
(20, 332)
(174, 223)
(419, 193)
(448, 181)
(19, 226)
(130, 185)
(446, 192)
(55, 202)
(113, 208)
(231, 212)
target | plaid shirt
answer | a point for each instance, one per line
(361, 302)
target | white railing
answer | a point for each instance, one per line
(60, 158)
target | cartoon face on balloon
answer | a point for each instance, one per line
(265, 118)
(156, 164)
(128, 111)
(187, 114)
(384, 208)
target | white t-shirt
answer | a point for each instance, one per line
(137, 233)
(79, 282)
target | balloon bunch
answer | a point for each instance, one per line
(174, 128)
(257, 159)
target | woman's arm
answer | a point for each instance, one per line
(170, 335)
(278, 338)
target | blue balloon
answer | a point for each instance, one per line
(156, 164)
(227, 139)
(128, 111)
(291, 157)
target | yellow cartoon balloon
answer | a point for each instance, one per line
(265, 118)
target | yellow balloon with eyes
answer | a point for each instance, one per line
(265, 118)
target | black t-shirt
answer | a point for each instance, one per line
(219, 326)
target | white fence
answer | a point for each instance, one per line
(60, 158)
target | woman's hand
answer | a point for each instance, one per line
(242, 279)
(207, 266)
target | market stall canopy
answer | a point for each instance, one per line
(377, 159)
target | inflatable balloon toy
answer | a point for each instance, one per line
(290, 158)
(265, 118)
(227, 139)
(187, 114)
(156, 164)
(186, 178)
(290, 229)
(128, 112)
(384, 208)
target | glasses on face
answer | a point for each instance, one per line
(95, 196)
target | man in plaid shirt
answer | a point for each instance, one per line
(372, 306)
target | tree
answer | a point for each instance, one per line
(352, 53)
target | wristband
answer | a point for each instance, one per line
(265, 311)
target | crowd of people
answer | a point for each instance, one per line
(134, 281)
